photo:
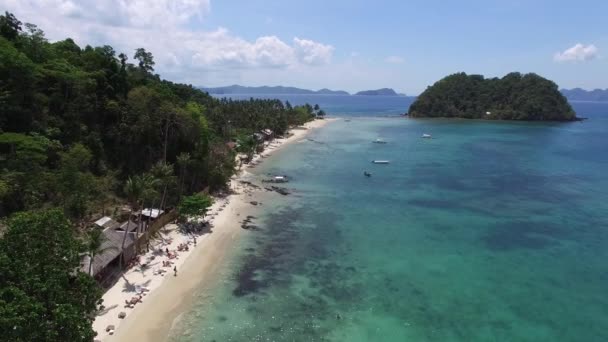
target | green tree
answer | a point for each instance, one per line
(183, 161)
(165, 177)
(43, 295)
(145, 59)
(247, 144)
(9, 26)
(194, 206)
(133, 190)
(77, 183)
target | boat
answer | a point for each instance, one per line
(427, 136)
(367, 174)
(277, 179)
(379, 141)
(381, 162)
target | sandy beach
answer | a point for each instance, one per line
(165, 296)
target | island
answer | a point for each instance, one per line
(267, 90)
(578, 94)
(516, 96)
(378, 92)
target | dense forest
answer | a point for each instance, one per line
(76, 122)
(83, 133)
(513, 97)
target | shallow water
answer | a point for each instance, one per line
(490, 231)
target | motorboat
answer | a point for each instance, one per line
(426, 136)
(367, 174)
(381, 162)
(379, 141)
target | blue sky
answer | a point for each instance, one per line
(350, 45)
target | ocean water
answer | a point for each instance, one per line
(490, 231)
(344, 105)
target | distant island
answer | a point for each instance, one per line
(379, 92)
(281, 90)
(578, 94)
(516, 96)
(266, 90)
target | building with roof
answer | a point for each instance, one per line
(107, 222)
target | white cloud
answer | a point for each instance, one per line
(394, 59)
(312, 53)
(577, 53)
(164, 28)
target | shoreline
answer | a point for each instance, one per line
(169, 296)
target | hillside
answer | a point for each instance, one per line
(77, 122)
(514, 97)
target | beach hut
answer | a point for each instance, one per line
(107, 222)
(268, 134)
(106, 264)
(151, 213)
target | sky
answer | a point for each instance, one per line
(338, 44)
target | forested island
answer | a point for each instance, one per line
(84, 133)
(378, 92)
(267, 90)
(578, 94)
(516, 96)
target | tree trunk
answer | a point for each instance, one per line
(163, 198)
(181, 185)
(124, 238)
(91, 257)
(166, 139)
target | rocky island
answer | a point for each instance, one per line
(516, 96)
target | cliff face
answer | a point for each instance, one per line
(514, 97)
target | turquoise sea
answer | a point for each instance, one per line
(490, 231)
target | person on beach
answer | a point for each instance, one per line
(175, 271)
(167, 250)
(195, 241)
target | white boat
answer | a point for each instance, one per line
(379, 141)
(426, 136)
(381, 162)
(277, 179)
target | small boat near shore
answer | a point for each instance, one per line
(379, 141)
(380, 162)
(427, 136)
(277, 179)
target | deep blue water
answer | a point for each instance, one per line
(490, 231)
(341, 105)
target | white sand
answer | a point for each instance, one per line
(170, 295)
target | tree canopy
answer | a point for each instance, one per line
(43, 295)
(195, 205)
(513, 97)
(77, 122)
(81, 128)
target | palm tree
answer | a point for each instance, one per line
(133, 191)
(164, 176)
(148, 185)
(183, 161)
(248, 145)
(93, 246)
